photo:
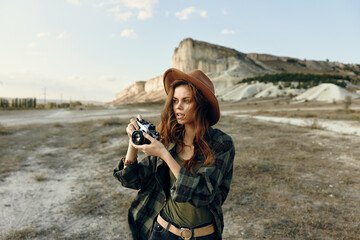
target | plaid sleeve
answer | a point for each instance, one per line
(200, 190)
(135, 175)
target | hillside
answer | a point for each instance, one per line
(227, 67)
(326, 92)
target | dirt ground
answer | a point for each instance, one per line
(289, 182)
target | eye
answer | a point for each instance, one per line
(174, 100)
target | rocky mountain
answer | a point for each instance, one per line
(142, 91)
(226, 67)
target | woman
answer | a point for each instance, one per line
(185, 178)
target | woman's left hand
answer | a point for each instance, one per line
(155, 148)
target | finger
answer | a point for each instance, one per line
(130, 128)
(133, 122)
(151, 139)
(139, 117)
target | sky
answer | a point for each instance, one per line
(91, 49)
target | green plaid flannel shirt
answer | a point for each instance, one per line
(209, 187)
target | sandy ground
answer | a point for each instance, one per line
(44, 195)
(57, 182)
(16, 118)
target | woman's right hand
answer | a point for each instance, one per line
(132, 126)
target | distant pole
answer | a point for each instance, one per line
(44, 96)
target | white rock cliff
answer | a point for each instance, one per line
(226, 67)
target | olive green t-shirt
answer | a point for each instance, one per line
(183, 213)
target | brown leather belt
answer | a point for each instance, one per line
(186, 233)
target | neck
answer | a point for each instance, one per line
(189, 134)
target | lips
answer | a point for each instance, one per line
(180, 116)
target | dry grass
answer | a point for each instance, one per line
(289, 182)
(32, 233)
(113, 122)
(281, 107)
(4, 130)
(40, 177)
(14, 148)
(338, 114)
(313, 123)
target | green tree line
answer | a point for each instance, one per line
(53, 105)
(18, 103)
(303, 80)
(31, 103)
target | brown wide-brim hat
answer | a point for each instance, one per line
(202, 82)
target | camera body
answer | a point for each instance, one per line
(144, 126)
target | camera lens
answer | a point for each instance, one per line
(137, 137)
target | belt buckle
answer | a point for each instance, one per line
(185, 233)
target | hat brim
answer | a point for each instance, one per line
(173, 74)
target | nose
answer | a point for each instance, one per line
(179, 105)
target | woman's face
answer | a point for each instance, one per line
(183, 104)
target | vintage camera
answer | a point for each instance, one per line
(144, 126)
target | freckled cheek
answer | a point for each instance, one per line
(190, 109)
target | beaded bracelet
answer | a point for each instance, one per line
(127, 162)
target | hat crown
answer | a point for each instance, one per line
(201, 77)
(202, 83)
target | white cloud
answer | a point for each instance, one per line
(123, 16)
(108, 78)
(128, 33)
(114, 9)
(145, 7)
(61, 36)
(228, 31)
(167, 13)
(75, 79)
(98, 5)
(74, 2)
(26, 83)
(124, 9)
(185, 13)
(43, 34)
(32, 45)
(203, 13)
(144, 14)
(223, 11)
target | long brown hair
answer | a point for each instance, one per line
(171, 131)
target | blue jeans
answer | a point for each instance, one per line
(160, 233)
